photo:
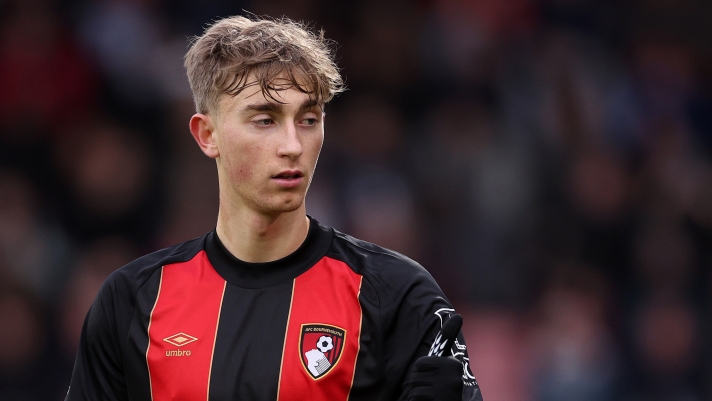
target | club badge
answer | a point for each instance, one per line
(320, 348)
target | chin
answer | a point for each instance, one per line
(285, 206)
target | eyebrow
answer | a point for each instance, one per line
(278, 107)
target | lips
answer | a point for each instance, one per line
(289, 179)
(289, 174)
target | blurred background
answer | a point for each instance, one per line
(549, 162)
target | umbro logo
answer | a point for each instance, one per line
(179, 340)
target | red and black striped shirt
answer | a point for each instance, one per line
(338, 319)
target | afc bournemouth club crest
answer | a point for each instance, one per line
(320, 348)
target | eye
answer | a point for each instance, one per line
(264, 122)
(309, 121)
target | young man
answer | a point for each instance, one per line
(271, 305)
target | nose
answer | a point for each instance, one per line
(290, 145)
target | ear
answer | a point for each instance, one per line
(203, 130)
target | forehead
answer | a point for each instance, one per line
(266, 83)
(281, 94)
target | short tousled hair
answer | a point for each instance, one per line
(230, 50)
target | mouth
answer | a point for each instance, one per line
(289, 175)
(289, 179)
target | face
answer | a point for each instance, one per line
(266, 151)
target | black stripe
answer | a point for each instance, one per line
(369, 375)
(248, 349)
(137, 379)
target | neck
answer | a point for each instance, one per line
(256, 238)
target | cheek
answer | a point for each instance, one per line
(242, 163)
(241, 172)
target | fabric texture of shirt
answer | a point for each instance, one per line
(338, 319)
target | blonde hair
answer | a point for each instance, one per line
(231, 49)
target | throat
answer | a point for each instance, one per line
(261, 240)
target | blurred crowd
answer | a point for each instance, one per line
(549, 162)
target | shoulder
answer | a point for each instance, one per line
(392, 275)
(369, 257)
(135, 284)
(132, 276)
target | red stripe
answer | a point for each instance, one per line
(327, 294)
(188, 302)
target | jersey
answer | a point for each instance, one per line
(338, 319)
